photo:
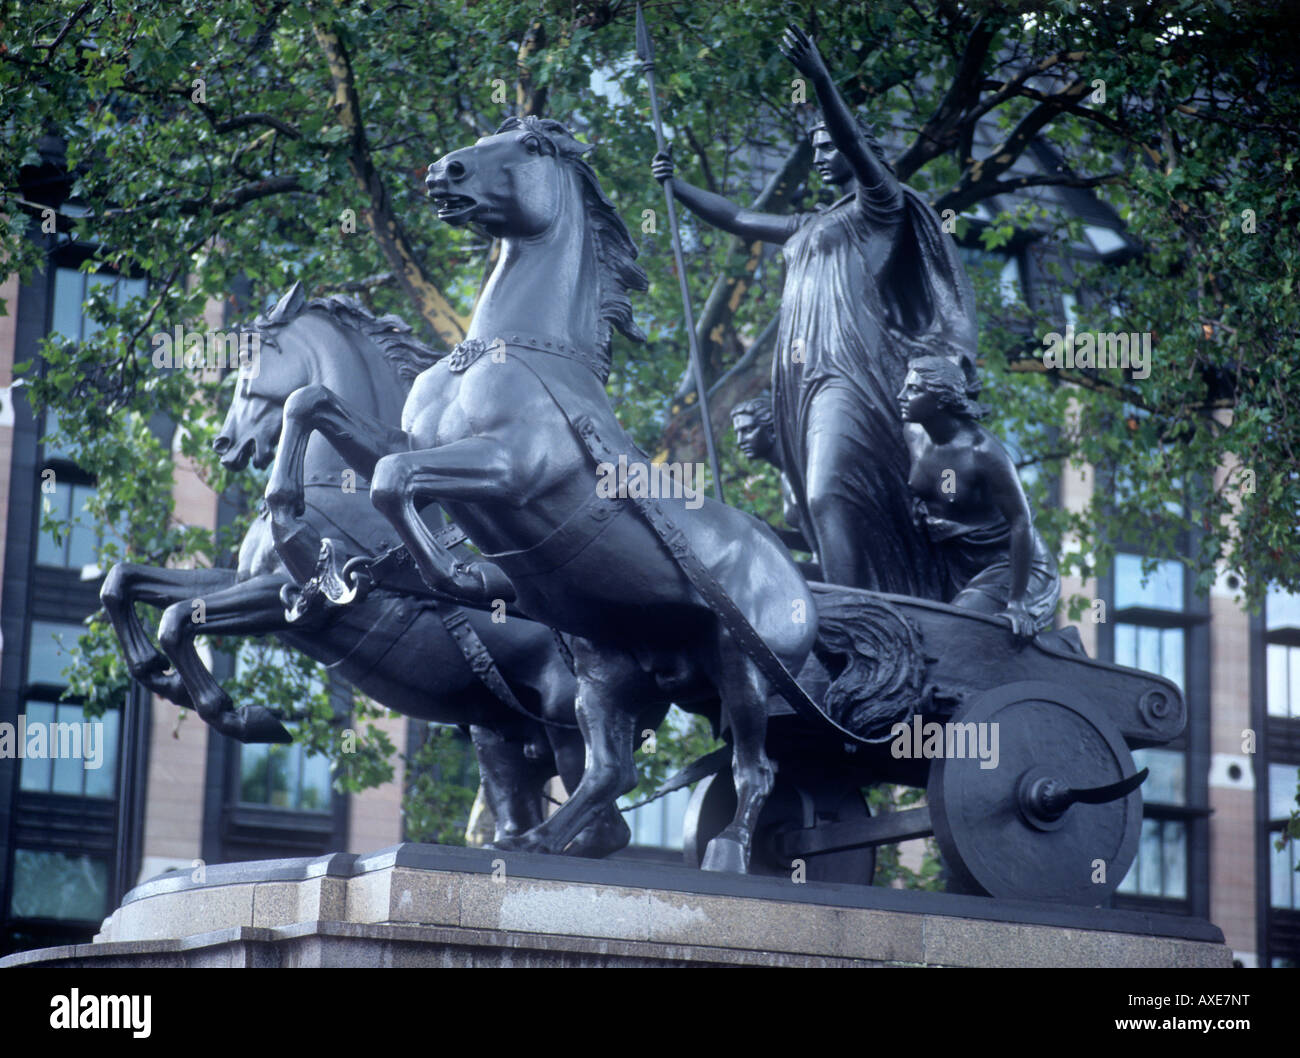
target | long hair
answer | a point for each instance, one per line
(947, 381)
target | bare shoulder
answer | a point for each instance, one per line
(991, 452)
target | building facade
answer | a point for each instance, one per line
(161, 790)
(169, 794)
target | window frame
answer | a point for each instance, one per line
(1193, 743)
(1277, 742)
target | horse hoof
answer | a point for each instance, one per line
(725, 853)
(515, 843)
(602, 838)
(259, 724)
(481, 582)
(250, 725)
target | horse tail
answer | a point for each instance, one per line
(874, 656)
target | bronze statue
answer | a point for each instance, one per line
(969, 499)
(661, 603)
(659, 599)
(422, 656)
(871, 282)
(756, 435)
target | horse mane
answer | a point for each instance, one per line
(403, 352)
(615, 251)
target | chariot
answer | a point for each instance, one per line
(1030, 787)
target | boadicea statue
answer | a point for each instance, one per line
(871, 283)
(970, 501)
(662, 599)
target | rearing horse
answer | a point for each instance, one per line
(415, 654)
(501, 433)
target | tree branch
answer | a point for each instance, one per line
(986, 170)
(244, 120)
(431, 303)
(962, 198)
(73, 19)
(529, 100)
(938, 133)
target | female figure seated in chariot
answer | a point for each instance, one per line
(968, 497)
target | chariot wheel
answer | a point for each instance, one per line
(792, 805)
(1057, 818)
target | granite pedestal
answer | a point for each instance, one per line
(427, 905)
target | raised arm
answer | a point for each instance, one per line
(721, 213)
(870, 171)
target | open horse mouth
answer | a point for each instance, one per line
(452, 208)
(237, 458)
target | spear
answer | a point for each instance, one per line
(645, 51)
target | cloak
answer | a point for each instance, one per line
(870, 284)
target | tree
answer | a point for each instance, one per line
(240, 145)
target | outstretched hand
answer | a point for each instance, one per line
(799, 48)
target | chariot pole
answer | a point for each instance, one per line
(645, 51)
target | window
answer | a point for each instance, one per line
(1004, 269)
(276, 775)
(1283, 680)
(1160, 868)
(74, 755)
(48, 654)
(1281, 751)
(78, 547)
(1161, 590)
(1284, 882)
(65, 755)
(1140, 642)
(72, 288)
(659, 824)
(1282, 653)
(59, 885)
(93, 773)
(65, 850)
(1150, 632)
(282, 776)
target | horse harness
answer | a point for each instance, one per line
(603, 450)
(454, 618)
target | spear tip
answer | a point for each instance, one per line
(645, 49)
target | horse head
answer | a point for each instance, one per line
(568, 254)
(333, 341)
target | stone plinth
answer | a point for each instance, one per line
(427, 905)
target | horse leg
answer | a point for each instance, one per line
(743, 690)
(606, 683)
(512, 784)
(250, 608)
(361, 439)
(127, 584)
(475, 470)
(608, 832)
